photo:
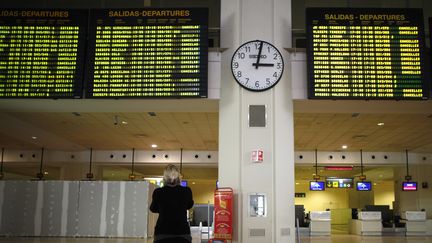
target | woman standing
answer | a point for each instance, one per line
(171, 202)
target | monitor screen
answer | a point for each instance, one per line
(147, 53)
(339, 183)
(409, 186)
(184, 183)
(366, 53)
(316, 186)
(364, 186)
(42, 53)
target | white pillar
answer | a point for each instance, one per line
(242, 21)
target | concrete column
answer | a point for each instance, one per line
(242, 21)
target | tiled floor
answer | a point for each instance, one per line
(321, 239)
(365, 239)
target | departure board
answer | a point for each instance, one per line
(366, 54)
(42, 53)
(148, 53)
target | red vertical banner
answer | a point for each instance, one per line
(223, 210)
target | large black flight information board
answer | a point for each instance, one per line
(366, 54)
(147, 53)
(42, 53)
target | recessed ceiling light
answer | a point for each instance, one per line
(193, 182)
(344, 146)
(34, 137)
(297, 183)
(154, 145)
(381, 124)
(124, 122)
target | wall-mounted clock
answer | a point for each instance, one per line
(257, 65)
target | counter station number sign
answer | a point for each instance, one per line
(148, 53)
(366, 54)
(42, 53)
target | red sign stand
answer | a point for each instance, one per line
(223, 210)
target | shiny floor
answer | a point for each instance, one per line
(303, 239)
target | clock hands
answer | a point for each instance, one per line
(258, 64)
(262, 64)
(259, 56)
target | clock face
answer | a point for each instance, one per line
(257, 65)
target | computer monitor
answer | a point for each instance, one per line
(317, 185)
(409, 186)
(339, 182)
(364, 186)
(184, 183)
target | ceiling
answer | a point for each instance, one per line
(322, 125)
(193, 125)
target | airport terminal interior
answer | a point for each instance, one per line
(357, 162)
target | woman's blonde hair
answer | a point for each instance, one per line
(171, 175)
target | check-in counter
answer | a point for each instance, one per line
(320, 223)
(368, 223)
(415, 223)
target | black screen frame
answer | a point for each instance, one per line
(370, 187)
(320, 182)
(416, 186)
(415, 14)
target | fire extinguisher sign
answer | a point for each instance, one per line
(223, 206)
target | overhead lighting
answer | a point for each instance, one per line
(124, 122)
(381, 124)
(297, 183)
(154, 145)
(344, 146)
(34, 137)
